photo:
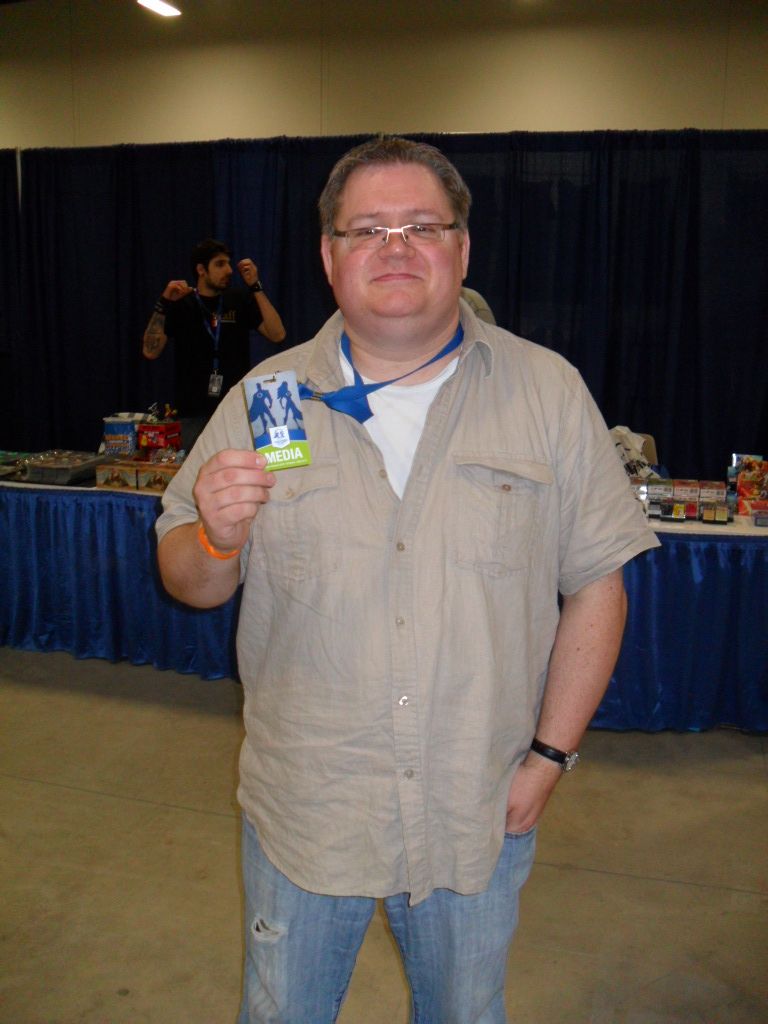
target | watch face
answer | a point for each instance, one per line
(571, 760)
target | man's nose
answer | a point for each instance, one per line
(396, 245)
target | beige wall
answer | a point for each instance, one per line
(100, 72)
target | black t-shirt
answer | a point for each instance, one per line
(193, 353)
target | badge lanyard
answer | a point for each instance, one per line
(353, 399)
(212, 322)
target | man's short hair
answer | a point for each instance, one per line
(393, 150)
(205, 251)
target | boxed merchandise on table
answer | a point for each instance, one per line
(59, 466)
(120, 433)
(658, 490)
(752, 488)
(714, 512)
(162, 434)
(117, 476)
(639, 487)
(739, 462)
(671, 508)
(711, 490)
(155, 476)
(687, 493)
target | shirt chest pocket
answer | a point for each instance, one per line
(495, 504)
(298, 531)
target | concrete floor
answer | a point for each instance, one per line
(119, 881)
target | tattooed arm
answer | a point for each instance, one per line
(155, 337)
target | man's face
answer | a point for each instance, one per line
(216, 276)
(417, 285)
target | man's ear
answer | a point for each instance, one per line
(327, 256)
(464, 252)
(201, 269)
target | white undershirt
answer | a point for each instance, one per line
(399, 413)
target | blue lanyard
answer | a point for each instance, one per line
(353, 399)
(215, 319)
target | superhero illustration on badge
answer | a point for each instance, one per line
(275, 419)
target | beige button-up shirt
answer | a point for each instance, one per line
(394, 653)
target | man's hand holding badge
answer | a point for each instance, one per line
(230, 489)
(232, 485)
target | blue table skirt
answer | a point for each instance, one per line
(80, 575)
(695, 651)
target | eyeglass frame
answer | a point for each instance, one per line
(455, 226)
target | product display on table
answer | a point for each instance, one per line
(752, 487)
(59, 466)
(739, 462)
(140, 451)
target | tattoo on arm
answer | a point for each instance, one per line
(154, 336)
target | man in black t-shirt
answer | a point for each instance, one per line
(210, 326)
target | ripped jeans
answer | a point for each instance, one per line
(300, 947)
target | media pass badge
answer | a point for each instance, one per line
(274, 416)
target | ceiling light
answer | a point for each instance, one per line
(159, 7)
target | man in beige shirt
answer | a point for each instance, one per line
(413, 693)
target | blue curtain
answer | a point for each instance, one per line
(640, 256)
(10, 305)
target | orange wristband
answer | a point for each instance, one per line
(210, 549)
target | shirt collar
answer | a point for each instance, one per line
(324, 370)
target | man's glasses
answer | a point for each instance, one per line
(412, 234)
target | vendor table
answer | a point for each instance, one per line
(695, 651)
(79, 574)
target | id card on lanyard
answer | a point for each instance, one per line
(212, 323)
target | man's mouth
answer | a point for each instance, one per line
(395, 276)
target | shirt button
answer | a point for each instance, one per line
(399, 621)
(400, 546)
(408, 773)
(506, 487)
(289, 493)
(403, 701)
(383, 474)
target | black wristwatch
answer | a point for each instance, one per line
(567, 759)
(256, 287)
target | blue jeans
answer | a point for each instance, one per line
(300, 947)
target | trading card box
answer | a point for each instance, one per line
(685, 490)
(711, 490)
(751, 487)
(166, 434)
(119, 435)
(155, 476)
(639, 487)
(671, 509)
(714, 513)
(117, 476)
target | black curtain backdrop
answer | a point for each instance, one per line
(10, 305)
(642, 257)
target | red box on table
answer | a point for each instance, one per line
(166, 434)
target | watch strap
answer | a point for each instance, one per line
(551, 752)
(567, 759)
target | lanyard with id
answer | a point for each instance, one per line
(212, 322)
(273, 408)
(352, 400)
